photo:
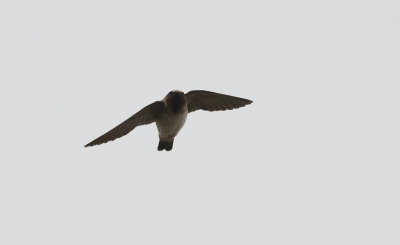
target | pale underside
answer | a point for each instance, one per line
(170, 123)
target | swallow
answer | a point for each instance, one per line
(170, 114)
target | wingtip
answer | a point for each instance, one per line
(96, 142)
(247, 102)
(90, 144)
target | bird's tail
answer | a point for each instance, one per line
(165, 145)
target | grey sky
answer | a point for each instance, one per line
(314, 160)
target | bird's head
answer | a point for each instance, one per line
(175, 100)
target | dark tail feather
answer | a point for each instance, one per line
(165, 145)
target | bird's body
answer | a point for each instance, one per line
(170, 114)
(170, 122)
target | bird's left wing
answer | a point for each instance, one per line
(211, 101)
(145, 116)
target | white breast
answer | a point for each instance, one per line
(170, 123)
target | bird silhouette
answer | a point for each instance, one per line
(170, 114)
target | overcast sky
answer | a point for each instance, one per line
(314, 160)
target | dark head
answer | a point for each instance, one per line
(175, 100)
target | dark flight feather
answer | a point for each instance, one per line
(211, 101)
(145, 116)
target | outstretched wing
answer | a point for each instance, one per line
(146, 115)
(210, 101)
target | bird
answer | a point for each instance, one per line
(170, 114)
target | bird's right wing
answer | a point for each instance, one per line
(145, 116)
(211, 101)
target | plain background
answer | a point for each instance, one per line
(314, 160)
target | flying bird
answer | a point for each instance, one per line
(170, 114)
